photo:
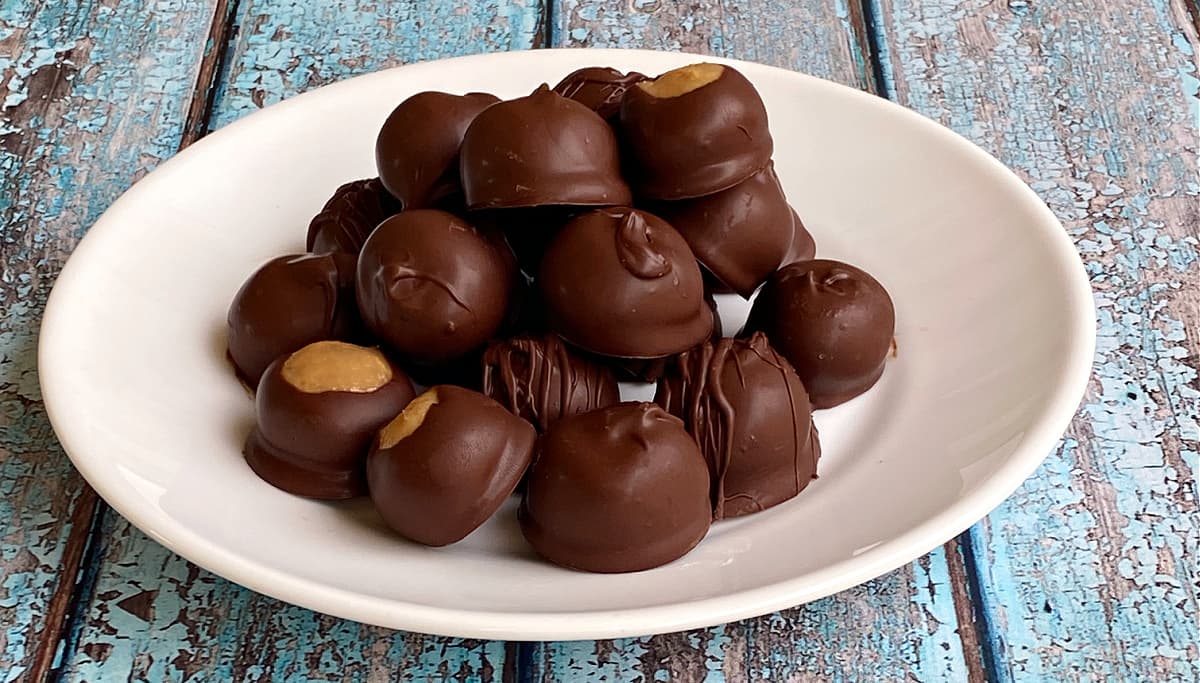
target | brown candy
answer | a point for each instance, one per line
(621, 282)
(541, 380)
(540, 150)
(599, 88)
(446, 464)
(432, 286)
(349, 216)
(417, 148)
(750, 415)
(741, 234)
(803, 247)
(318, 410)
(832, 321)
(694, 131)
(619, 489)
(289, 302)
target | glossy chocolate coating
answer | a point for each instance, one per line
(541, 380)
(539, 150)
(741, 234)
(803, 247)
(432, 286)
(652, 369)
(315, 444)
(621, 282)
(748, 411)
(354, 210)
(599, 88)
(698, 143)
(450, 475)
(289, 302)
(832, 321)
(620, 489)
(416, 152)
(528, 231)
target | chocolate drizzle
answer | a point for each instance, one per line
(750, 415)
(600, 88)
(539, 379)
(347, 219)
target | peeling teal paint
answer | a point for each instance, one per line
(1085, 572)
(71, 140)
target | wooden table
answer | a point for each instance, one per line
(1088, 573)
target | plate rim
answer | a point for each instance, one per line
(1038, 443)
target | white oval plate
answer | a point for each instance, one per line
(995, 333)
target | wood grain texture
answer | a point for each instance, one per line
(93, 95)
(1089, 571)
(902, 626)
(899, 627)
(818, 37)
(284, 47)
(160, 617)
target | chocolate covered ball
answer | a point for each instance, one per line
(318, 410)
(622, 282)
(750, 415)
(693, 131)
(652, 369)
(446, 464)
(539, 150)
(599, 88)
(432, 286)
(740, 235)
(416, 151)
(541, 380)
(620, 489)
(832, 321)
(289, 302)
(803, 247)
(349, 216)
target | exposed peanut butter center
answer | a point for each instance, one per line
(336, 366)
(404, 424)
(683, 80)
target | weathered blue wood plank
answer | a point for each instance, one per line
(1089, 571)
(153, 613)
(93, 95)
(902, 626)
(818, 37)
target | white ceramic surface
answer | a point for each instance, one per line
(995, 333)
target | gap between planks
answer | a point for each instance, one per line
(67, 604)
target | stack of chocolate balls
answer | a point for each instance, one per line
(518, 257)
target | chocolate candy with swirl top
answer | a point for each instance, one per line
(748, 411)
(541, 380)
(432, 286)
(622, 282)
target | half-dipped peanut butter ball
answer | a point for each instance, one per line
(318, 410)
(446, 463)
(693, 131)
